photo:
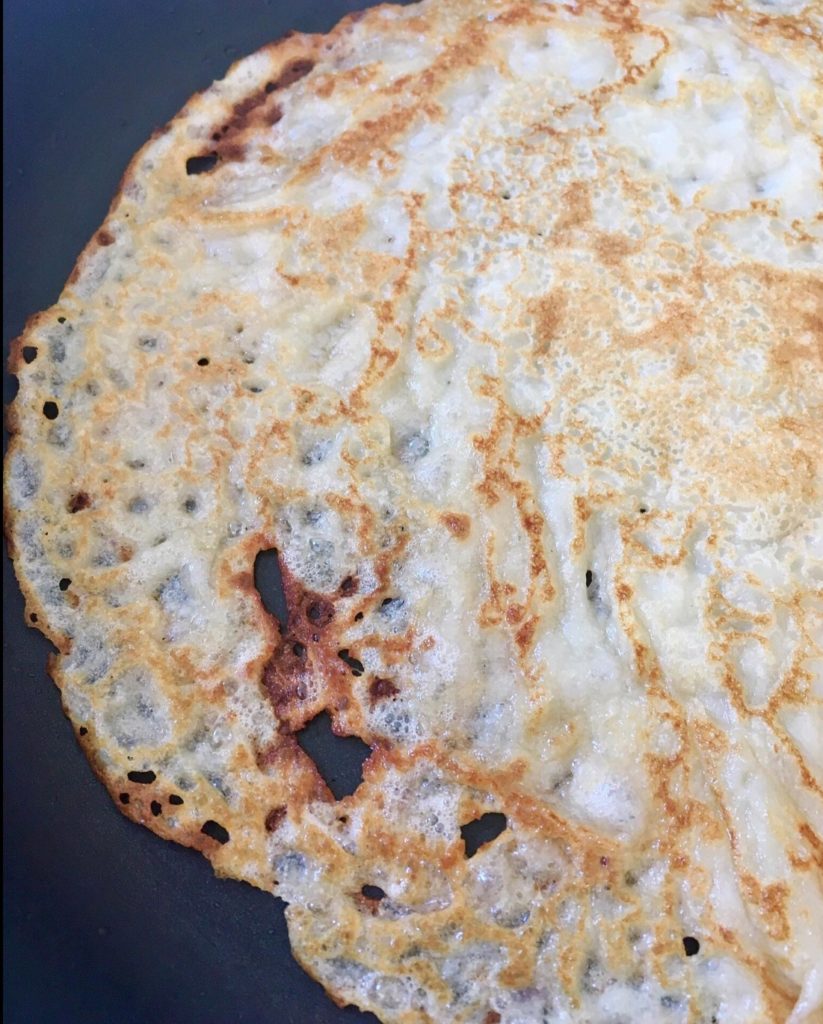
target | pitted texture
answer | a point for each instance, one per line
(503, 323)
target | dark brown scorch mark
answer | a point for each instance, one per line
(258, 110)
(78, 501)
(305, 673)
(292, 73)
(274, 818)
(380, 689)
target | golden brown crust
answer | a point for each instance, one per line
(502, 323)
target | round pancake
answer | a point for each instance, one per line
(502, 324)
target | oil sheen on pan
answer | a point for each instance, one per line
(501, 324)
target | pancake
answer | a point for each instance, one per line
(501, 323)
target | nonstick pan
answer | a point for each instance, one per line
(105, 923)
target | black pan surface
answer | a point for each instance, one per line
(104, 923)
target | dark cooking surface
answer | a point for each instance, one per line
(104, 922)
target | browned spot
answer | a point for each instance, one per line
(492, 1017)
(366, 904)
(624, 591)
(320, 611)
(78, 501)
(576, 207)
(105, 237)
(372, 139)
(525, 635)
(242, 109)
(306, 653)
(771, 900)
(548, 313)
(285, 758)
(286, 680)
(612, 248)
(457, 524)
(228, 151)
(814, 842)
(514, 614)
(274, 817)
(292, 73)
(671, 329)
(380, 689)
(349, 586)
(255, 110)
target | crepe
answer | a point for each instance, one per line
(500, 322)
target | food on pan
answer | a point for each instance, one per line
(500, 322)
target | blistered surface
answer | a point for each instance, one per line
(503, 324)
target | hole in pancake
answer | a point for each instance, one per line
(339, 759)
(83, 730)
(65, 583)
(410, 448)
(354, 664)
(190, 505)
(299, 650)
(482, 830)
(372, 892)
(390, 606)
(32, 617)
(348, 586)
(358, 617)
(156, 808)
(203, 361)
(29, 353)
(642, 510)
(144, 778)
(268, 582)
(201, 164)
(214, 830)
(50, 410)
(175, 799)
(124, 798)
(691, 945)
(61, 319)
